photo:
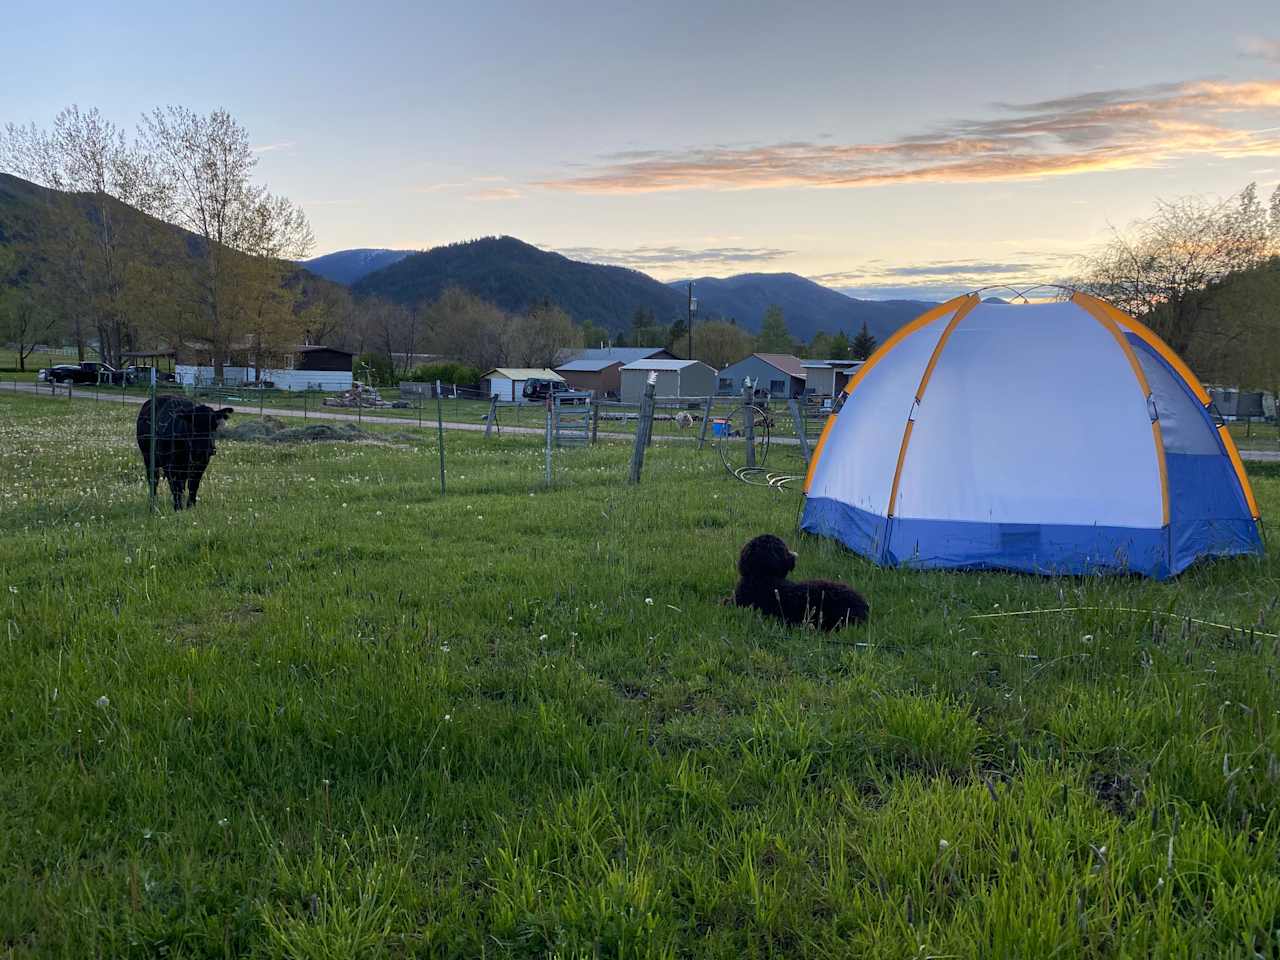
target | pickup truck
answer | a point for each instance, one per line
(88, 372)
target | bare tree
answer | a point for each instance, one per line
(460, 326)
(205, 166)
(26, 314)
(102, 249)
(538, 340)
(1165, 268)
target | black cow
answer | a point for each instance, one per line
(183, 442)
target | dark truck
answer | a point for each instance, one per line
(536, 391)
(88, 372)
(92, 372)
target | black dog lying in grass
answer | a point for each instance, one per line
(764, 565)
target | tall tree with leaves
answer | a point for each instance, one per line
(864, 344)
(774, 336)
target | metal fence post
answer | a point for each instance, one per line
(440, 433)
(548, 442)
(595, 417)
(749, 423)
(152, 478)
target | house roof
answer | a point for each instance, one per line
(825, 364)
(524, 373)
(784, 362)
(618, 354)
(662, 364)
(588, 366)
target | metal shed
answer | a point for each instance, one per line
(676, 378)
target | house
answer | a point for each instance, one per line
(827, 378)
(301, 367)
(780, 373)
(676, 378)
(507, 383)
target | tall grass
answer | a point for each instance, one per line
(331, 713)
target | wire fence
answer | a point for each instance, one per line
(178, 425)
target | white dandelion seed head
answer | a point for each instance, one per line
(102, 702)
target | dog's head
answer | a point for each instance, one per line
(766, 556)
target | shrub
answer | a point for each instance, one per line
(445, 373)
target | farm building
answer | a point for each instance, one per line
(780, 373)
(826, 378)
(676, 378)
(601, 376)
(507, 383)
(600, 369)
(303, 367)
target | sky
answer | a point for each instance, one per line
(885, 149)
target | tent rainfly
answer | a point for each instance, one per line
(1051, 438)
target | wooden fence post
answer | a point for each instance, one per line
(749, 422)
(642, 428)
(706, 418)
(595, 416)
(493, 415)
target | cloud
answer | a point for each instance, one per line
(941, 280)
(1261, 47)
(1127, 128)
(271, 147)
(668, 258)
(496, 193)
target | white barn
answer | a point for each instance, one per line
(507, 383)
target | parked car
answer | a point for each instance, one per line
(142, 375)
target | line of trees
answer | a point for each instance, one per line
(103, 260)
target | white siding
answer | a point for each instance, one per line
(330, 381)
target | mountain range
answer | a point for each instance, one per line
(807, 306)
(348, 266)
(515, 275)
(507, 272)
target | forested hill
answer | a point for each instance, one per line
(516, 276)
(807, 306)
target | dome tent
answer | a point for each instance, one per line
(1056, 438)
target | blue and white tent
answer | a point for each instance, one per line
(1046, 438)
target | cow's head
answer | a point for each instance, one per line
(202, 423)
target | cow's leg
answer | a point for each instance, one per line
(175, 478)
(153, 476)
(193, 484)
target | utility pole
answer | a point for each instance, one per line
(690, 357)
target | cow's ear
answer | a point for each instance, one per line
(224, 413)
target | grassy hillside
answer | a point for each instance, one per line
(516, 276)
(331, 713)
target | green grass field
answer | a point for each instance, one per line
(332, 713)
